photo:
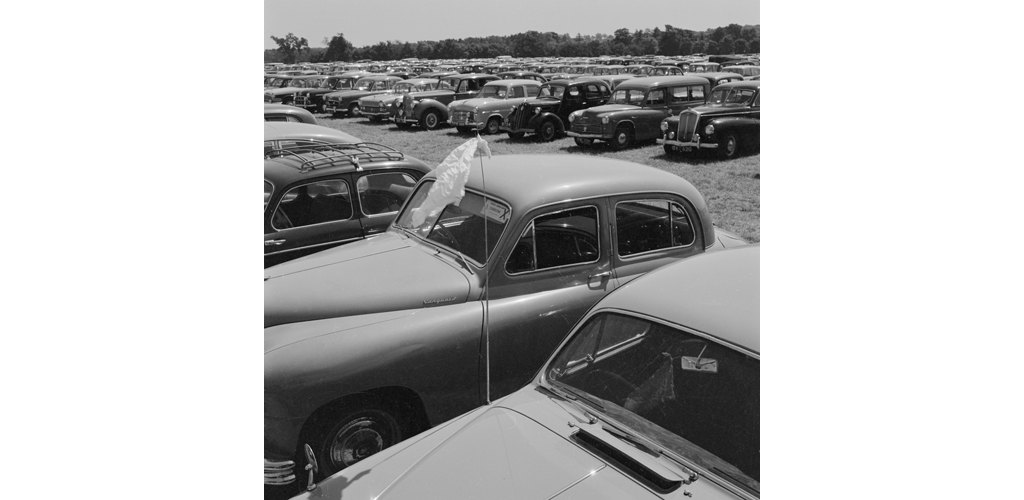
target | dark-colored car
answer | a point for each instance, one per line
(548, 114)
(313, 99)
(370, 343)
(347, 101)
(430, 109)
(286, 95)
(729, 123)
(636, 109)
(318, 196)
(380, 107)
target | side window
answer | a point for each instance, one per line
(697, 93)
(574, 91)
(605, 92)
(291, 118)
(677, 94)
(555, 240)
(592, 92)
(316, 203)
(757, 100)
(532, 91)
(383, 193)
(649, 225)
(518, 91)
(656, 97)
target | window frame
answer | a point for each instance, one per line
(615, 232)
(532, 224)
(296, 186)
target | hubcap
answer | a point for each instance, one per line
(730, 145)
(356, 441)
(431, 120)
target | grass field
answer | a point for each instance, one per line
(732, 188)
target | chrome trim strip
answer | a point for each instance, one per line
(584, 136)
(336, 242)
(709, 145)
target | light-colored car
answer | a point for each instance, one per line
(286, 113)
(489, 109)
(370, 343)
(655, 394)
(380, 107)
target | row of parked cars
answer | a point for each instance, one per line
(519, 308)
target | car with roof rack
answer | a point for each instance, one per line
(429, 109)
(548, 114)
(318, 195)
(728, 124)
(635, 110)
(380, 107)
(372, 342)
(489, 109)
(654, 394)
(347, 101)
(280, 135)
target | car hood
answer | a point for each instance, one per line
(503, 451)
(431, 94)
(387, 97)
(284, 90)
(607, 108)
(479, 102)
(720, 109)
(388, 272)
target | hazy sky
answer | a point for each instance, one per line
(368, 22)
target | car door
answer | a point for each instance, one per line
(650, 230)
(654, 109)
(308, 217)
(553, 266)
(379, 196)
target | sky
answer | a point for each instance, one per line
(368, 22)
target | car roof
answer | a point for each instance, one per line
(651, 81)
(746, 84)
(513, 81)
(528, 181)
(283, 170)
(274, 131)
(717, 293)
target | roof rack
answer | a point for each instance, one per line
(318, 154)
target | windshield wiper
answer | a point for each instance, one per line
(451, 237)
(569, 398)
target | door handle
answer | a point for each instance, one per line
(268, 243)
(606, 274)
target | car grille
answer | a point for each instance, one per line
(301, 100)
(687, 126)
(519, 116)
(460, 116)
(370, 108)
(584, 128)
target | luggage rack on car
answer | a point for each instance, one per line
(315, 154)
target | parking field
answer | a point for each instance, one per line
(732, 188)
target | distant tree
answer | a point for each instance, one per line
(290, 46)
(749, 33)
(735, 30)
(669, 44)
(407, 51)
(739, 46)
(754, 46)
(622, 36)
(338, 49)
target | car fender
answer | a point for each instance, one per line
(742, 123)
(426, 104)
(537, 120)
(432, 350)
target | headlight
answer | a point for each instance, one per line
(536, 111)
(672, 134)
(572, 117)
(664, 126)
(604, 120)
(710, 129)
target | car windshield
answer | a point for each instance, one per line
(459, 228)
(731, 96)
(555, 91)
(633, 96)
(412, 87)
(695, 397)
(280, 82)
(363, 84)
(495, 91)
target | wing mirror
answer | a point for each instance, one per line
(311, 466)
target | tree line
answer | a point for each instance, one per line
(671, 41)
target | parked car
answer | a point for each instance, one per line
(548, 114)
(703, 67)
(286, 95)
(749, 72)
(382, 338)
(319, 196)
(347, 101)
(488, 110)
(635, 110)
(666, 70)
(718, 77)
(522, 75)
(382, 106)
(655, 394)
(730, 123)
(285, 113)
(430, 109)
(313, 99)
(280, 135)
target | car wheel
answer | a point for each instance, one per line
(583, 143)
(623, 138)
(353, 109)
(547, 131)
(355, 436)
(516, 135)
(431, 120)
(729, 146)
(493, 126)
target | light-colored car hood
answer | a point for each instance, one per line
(384, 273)
(483, 102)
(607, 108)
(283, 90)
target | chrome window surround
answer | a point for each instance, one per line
(319, 223)
(671, 202)
(597, 212)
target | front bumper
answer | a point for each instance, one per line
(586, 136)
(686, 145)
(462, 122)
(278, 472)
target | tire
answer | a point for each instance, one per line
(356, 435)
(622, 138)
(583, 143)
(729, 146)
(493, 126)
(431, 119)
(516, 135)
(353, 109)
(547, 131)
(463, 130)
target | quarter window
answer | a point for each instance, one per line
(656, 97)
(697, 93)
(518, 92)
(315, 203)
(650, 225)
(383, 193)
(555, 240)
